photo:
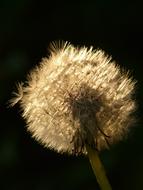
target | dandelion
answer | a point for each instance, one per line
(77, 98)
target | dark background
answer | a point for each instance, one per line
(26, 29)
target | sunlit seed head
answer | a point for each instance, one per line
(77, 96)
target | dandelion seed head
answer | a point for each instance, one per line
(77, 96)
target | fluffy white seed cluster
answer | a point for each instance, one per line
(77, 96)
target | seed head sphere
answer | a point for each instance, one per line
(77, 96)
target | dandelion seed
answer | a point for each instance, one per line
(17, 96)
(77, 96)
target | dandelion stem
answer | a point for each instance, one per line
(98, 169)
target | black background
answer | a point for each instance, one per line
(26, 29)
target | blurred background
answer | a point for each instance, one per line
(26, 29)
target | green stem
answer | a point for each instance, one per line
(98, 169)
